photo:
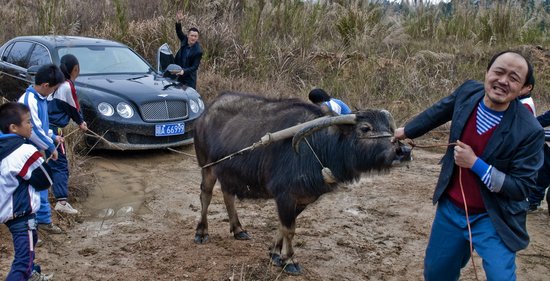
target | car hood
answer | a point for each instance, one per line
(138, 88)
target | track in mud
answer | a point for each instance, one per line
(139, 221)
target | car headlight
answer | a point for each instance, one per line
(105, 109)
(124, 110)
(194, 106)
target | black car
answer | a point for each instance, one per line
(123, 98)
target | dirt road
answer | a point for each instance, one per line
(138, 224)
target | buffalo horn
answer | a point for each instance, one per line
(336, 120)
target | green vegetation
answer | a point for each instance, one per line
(378, 54)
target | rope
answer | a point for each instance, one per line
(328, 177)
(467, 221)
(315, 154)
(180, 152)
(256, 144)
(413, 145)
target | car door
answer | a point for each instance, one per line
(17, 59)
(165, 57)
(13, 71)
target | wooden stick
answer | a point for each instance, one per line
(74, 131)
(56, 147)
(105, 140)
(59, 143)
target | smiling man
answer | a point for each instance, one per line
(485, 178)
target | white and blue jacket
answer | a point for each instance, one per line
(338, 106)
(22, 174)
(63, 106)
(42, 137)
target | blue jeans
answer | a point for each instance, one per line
(23, 232)
(448, 250)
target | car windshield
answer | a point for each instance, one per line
(101, 60)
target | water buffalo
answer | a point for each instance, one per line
(289, 169)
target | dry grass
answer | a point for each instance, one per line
(397, 57)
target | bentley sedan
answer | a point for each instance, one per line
(126, 102)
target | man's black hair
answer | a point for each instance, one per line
(68, 63)
(11, 113)
(318, 95)
(49, 73)
(194, 29)
(529, 79)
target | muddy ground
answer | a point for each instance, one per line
(138, 224)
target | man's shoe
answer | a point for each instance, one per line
(37, 276)
(65, 208)
(50, 228)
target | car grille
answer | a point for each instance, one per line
(164, 111)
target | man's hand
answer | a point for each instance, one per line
(399, 134)
(464, 155)
(179, 16)
(83, 126)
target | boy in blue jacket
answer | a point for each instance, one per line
(47, 80)
(23, 173)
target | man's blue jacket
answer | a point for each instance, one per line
(515, 149)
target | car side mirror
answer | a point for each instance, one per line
(172, 70)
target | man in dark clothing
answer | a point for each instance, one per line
(543, 178)
(189, 55)
(486, 177)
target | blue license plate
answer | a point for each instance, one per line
(169, 129)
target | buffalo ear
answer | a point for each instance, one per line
(390, 120)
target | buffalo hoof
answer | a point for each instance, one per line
(243, 235)
(292, 269)
(289, 268)
(201, 239)
(276, 259)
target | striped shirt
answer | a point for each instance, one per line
(486, 120)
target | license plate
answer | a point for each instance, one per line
(169, 129)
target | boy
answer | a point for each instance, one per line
(22, 174)
(327, 103)
(48, 78)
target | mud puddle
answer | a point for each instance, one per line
(125, 181)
